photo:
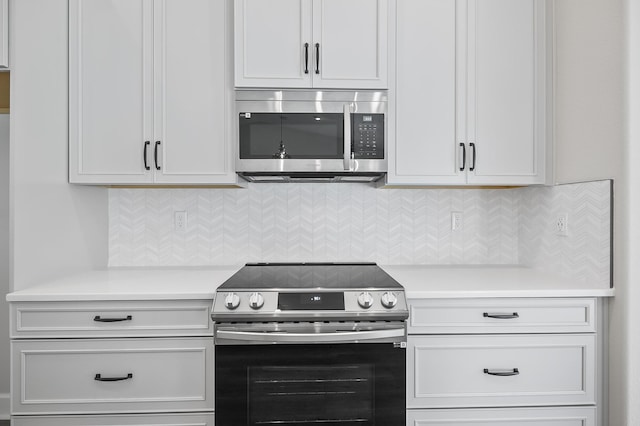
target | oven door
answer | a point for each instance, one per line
(354, 381)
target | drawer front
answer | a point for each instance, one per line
(483, 316)
(111, 319)
(500, 370)
(117, 376)
(565, 416)
(185, 419)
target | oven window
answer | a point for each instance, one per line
(361, 384)
(304, 136)
(311, 394)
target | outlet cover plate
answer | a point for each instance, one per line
(562, 225)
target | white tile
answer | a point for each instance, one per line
(354, 222)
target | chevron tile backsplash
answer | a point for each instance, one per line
(356, 222)
(311, 222)
(583, 254)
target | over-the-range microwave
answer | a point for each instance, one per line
(328, 136)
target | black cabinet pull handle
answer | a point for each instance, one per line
(464, 156)
(306, 58)
(317, 58)
(155, 155)
(502, 373)
(112, 379)
(144, 155)
(98, 318)
(473, 162)
(501, 316)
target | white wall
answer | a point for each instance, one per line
(4, 262)
(632, 295)
(57, 228)
(589, 138)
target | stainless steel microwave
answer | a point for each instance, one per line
(286, 136)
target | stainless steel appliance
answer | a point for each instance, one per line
(303, 344)
(311, 135)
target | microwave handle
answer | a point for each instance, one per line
(347, 137)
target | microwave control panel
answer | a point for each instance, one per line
(368, 136)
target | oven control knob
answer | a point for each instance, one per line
(232, 301)
(365, 300)
(256, 301)
(389, 300)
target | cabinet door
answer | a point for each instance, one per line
(90, 376)
(426, 138)
(270, 38)
(101, 319)
(563, 416)
(4, 33)
(350, 44)
(193, 92)
(110, 90)
(168, 419)
(506, 92)
(501, 370)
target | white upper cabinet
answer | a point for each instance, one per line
(110, 85)
(472, 87)
(506, 92)
(273, 43)
(150, 92)
(4, 33)
(193, 109)
(311, 43)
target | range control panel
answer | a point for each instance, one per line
(368, 136)
(308, 305)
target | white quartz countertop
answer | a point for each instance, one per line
(452, 281)
(130, 284)
(471, 281)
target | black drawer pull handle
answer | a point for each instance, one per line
(155, 155)
(112, 379)
(502, 373)
(501, 316)
(306, 58)
(98, 318)
(473, 163)
(317, 58)
(464, 156)
(144, 155)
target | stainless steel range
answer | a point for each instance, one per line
(315, 343)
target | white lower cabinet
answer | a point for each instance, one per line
(507, 370)
(184, 419)
(564, 416)
(93, 376)
(120, 362)
(506, 361)
(41, 320)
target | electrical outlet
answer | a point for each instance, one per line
(180, 221)
(456, 221)
(562, 225)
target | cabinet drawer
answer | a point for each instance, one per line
(72, 376)
(469, 316)
(500, 371)
(111, 319)
(184, 419)
(565, 416)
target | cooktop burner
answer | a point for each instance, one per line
(310, 276)
(309, 292)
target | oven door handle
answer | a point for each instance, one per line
(257, 337)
